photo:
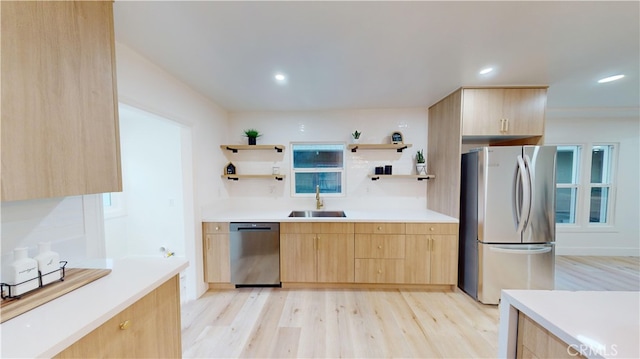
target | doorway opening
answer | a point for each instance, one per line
(151, 216)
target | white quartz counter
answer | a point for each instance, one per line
(598, 324)
(50, 328)
(249, 215)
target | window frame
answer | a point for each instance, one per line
(341, 170)
(584, 186)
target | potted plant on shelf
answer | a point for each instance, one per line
(252, 134)
(356, 136)
(420, 163)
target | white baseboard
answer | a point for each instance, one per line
(597, 251)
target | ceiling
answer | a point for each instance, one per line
(387, 54)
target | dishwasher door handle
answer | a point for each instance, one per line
(254, 229)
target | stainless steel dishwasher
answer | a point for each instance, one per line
(255, 254)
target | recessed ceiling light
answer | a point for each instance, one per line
(280, 77)
(486, 70)
(610, 78)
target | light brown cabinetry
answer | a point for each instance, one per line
(217, 267)
(149, 328)
(59, 103)
(503, 111)
(431, 253)
(379, 252)
(316, 252)
(478, 116)
(534, 341)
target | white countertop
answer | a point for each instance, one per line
(275, 215)
(50, 328)
(598, 324)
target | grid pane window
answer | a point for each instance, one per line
(584, 184)
(600, 183)
(566, 205)
(598, 207)
(567, 165)
(318, 164)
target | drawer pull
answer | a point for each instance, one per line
(217, 228)
(125, 325)
(432, 229)
(379, 228)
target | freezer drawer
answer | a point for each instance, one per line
(517, 266)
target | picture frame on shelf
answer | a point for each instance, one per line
(230, 169)
(397, 138)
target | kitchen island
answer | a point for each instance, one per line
(55, 326)
(569, 324)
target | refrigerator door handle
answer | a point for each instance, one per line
(522, 204)
(529, 183)
(520, 251)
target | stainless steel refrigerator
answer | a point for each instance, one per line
(507, 220)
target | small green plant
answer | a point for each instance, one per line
(356, 134)
(420, 157)
(252, 133)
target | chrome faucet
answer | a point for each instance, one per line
(319, 202)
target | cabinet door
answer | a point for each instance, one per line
(418, 259)
(482, 112)
(59, 102)
(524, 111)
(297, 257)
(444, 259)
(149, 328)
(217, 258)
(335, 258)
(499, 112)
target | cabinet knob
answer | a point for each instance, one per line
(379, 228)
(217, 228)
(125, 325)
(431, 229)
(380, 247)
(379, 271)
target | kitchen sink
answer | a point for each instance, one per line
(317, 214)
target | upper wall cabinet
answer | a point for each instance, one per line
(59, 102)
(503, 111)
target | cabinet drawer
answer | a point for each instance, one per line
(316, 227)
(432, 228)
(379, 246)
(380, 228)
(215, 227)
(379, 270)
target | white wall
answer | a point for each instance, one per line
(622, 237)
(285, 128)
(144, 85)
(149, 213)
(73, 225)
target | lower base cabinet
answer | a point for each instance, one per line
(534, 341)
(149, 328)
(316, 252)
(369, 253)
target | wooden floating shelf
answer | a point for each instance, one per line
(379, 146)
(236, 148)
(418, 177)
(237, 177)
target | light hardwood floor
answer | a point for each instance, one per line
(282, 323)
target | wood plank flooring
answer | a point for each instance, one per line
(298, 323)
